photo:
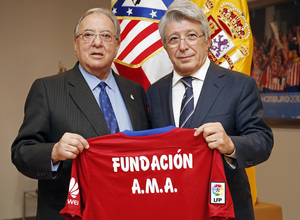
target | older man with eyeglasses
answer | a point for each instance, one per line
(223, 105)
(64, 110)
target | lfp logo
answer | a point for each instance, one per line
(217, 195)
(218, 189)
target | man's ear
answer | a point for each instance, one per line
(117, 48)
(208, 41)
(75, 43)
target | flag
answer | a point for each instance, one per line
(141, 56)
(231, 35)
(231, 44)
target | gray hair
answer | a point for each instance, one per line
(180, 10)
(106, 12)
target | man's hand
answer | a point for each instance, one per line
(68, 147)
(216, 137)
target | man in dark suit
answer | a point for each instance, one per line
(223, 105)
(62, 111)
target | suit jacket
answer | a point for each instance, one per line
(59, 104)
(232, 99)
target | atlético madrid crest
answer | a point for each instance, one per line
(228, 28)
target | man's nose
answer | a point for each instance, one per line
(97, 40)
(183, 45)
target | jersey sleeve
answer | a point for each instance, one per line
(74, 205)
(220, 200)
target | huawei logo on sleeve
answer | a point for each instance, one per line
(73, 188)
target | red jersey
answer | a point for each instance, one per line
(149, 175)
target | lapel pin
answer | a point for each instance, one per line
(132, 97)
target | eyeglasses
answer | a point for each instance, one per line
(190, 39)
(91, 36)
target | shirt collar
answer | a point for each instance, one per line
(199, 75)
(93, 81)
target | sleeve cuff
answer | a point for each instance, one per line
(233, 155)
(231, 159)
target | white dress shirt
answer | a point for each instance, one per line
(178, 89)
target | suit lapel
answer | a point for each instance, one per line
(128, 96)
(166, 94)
(84, 99)
(212, 86)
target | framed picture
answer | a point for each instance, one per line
(276, 61)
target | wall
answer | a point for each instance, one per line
(278, 178)
(34, 37)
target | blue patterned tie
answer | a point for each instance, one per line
(187, 105)
(107, 110)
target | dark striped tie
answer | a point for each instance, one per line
(107, 110)
(187, 105)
